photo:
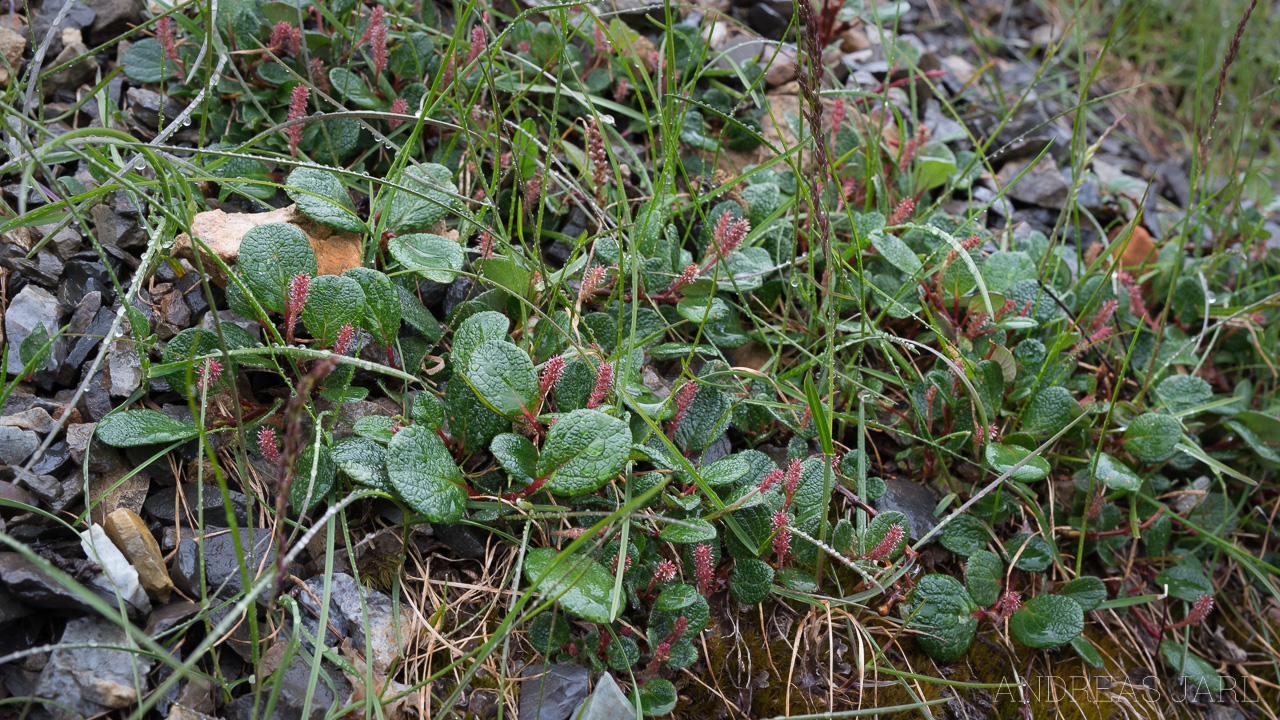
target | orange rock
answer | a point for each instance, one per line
(1139, 249)
(336, 251)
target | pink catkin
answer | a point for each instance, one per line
(267, 443)
(399, 107)
(1008, 603)
(791, 483)
(297, 110)
(1200, 609)
(299, 289)
(686, 276)
(550, 374)
(781, 537)
(532, 190)
(167, 34)
(770, 480)
(209, 373)
(378, 43)
(888, 544)
(592, 280)
(343, 344)
(599, 156)
(903, 212)
(684, 399)
(665, 572)
(604, 385)
(702, 569)
(285, 38)
(477, 43)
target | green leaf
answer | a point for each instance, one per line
(469, 419)
(503, 377)
(879, 528)
(1050, 410)
(304, 493)
(707, 419)
(1003, 268)
(1087, 652)
(427, 199)
(698, 309)
(196, 341)
(473, 332)
(984, 576)
(750, 581)
(1088, 591)
(583, 451)
(428, 410)
(1266, 453)
(1153, 437)
(965, 535)
(725, 471)
(381, 304)
(657, 696)
(321, 196)
(1186, 581)
(675, 597)
(144, 62)
(353, 87)
(1002, 458)
(819, 414)
(516, 455)
(364, 460)
(1116, 475)
(1183, 392)
(32, 352)
(375, 427)
(1047, 621)
(333, 302)
(416, 315)
(433, 257)
(941, 614)
(892, 248)
(581, 585)
(1192, 667)
(1036, 555)
(129, 428)
(690, 530)
(271, 256)
(423, 472)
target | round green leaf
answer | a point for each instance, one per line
(1002, 458)
(128, 428)
(1047, 621)
(750, 581)
(725, 471)
(941, 614)
(428, 197)
(1037, 555)
(1183, 392)
(1088, 652)
(321, 196)
(475, 330)
(706, 420)
(879, 528)
(1195, 669)
(984, 576)
(271, 256)
(333, 302)
(516, 455)
(1051, 409)
(581, 585)
(1086, 590)
(1186, 581)
(423, 472)
(306, 492)
(1153, 437)
(965, 535)
(145, 62)
(364, 460)
(194, 342)
(502, 376)
(657, 697)
(353, 87)
(433, 257)
(691, 530)
(381, 304)
(1116, 475)
(583, 451)
(675, 597)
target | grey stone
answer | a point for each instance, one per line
(1041, 184)
(44, 269)
(116, 15)
(55, 457)
(769, 19)
(458, 291)
(228, 316)
(189, 286)
(31, 585)
(95, 403)
(58, 494)
(102, 459)
(466, 541)
(175, 316)
(80, 16)
(124, 368)
(165, 507)
(115, 230)
(166, 617)
(32, 305)
(86, 344)
(385, 636)
(222, 571)
(607, 702)
(293, 696)
(86, 308)
(78, 67)
(144, 107)
(65, 242)
(81, 277)
(11, 609)
(36, 419)
(911, 499)
(118, 578)
(552, 693)
(88, 681)
(16, 444)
